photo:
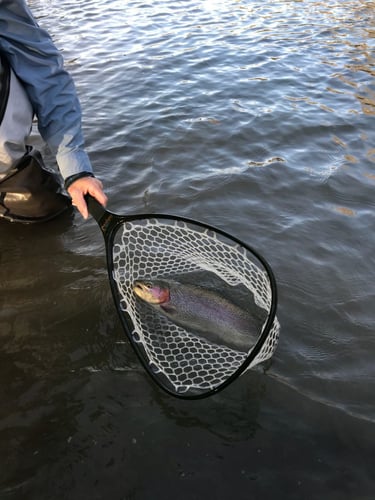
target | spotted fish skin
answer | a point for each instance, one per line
(200, 310)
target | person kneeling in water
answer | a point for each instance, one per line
(33, 82)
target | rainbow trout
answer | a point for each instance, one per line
(200, 310)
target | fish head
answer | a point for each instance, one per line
(153, 292)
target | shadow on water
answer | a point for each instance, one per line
(79, 415)
(108, 434)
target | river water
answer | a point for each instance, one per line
(256, 117)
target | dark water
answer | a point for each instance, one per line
(254, 116)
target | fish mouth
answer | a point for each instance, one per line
(150, 292)
(142, 290)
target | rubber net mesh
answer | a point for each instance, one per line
(159, 248)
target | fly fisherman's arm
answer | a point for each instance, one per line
(40, 67)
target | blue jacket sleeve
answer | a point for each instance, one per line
(39, 65)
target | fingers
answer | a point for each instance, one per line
(79, 202)
(83, 186)
(95, 189)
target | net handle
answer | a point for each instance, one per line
(104, 218)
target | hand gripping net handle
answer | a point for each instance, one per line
(162, 247)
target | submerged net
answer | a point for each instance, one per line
(163, 248)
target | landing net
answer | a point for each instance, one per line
(161, 248)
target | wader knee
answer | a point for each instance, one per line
(29, 191)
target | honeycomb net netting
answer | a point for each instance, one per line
(161, 248)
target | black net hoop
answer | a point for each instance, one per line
(164, 247)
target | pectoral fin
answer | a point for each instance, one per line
(168, 309)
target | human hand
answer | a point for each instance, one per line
(86, 185)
